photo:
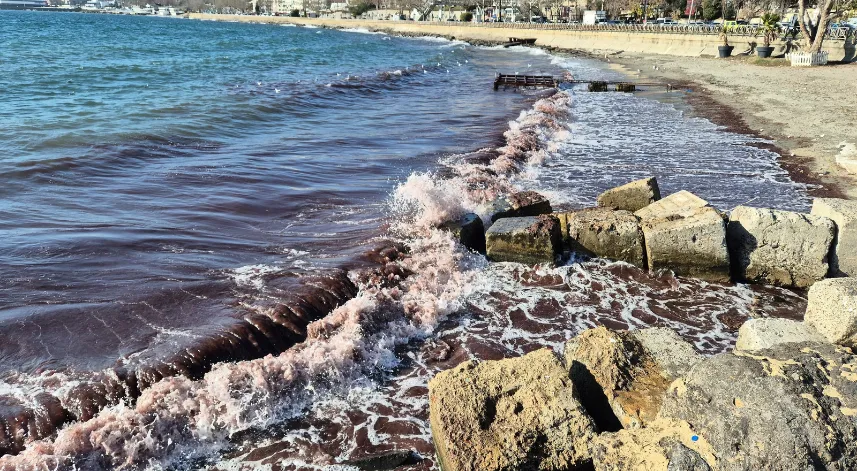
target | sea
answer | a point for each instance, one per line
(218, 242)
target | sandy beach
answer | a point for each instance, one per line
(808, 113)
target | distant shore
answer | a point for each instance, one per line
(807, 113)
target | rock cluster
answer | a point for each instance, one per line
(680, 232)
(784, 399)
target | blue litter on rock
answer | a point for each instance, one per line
(694, 438)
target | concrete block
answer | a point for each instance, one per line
(529, 240)
(759, 334)
(843, 256)
(522, 203)
(832, 310)
(676, 205)
(779, 247)
(469, 230)
(606, 233)
(631, 196)
(689, 241)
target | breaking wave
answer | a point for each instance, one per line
(179, 415)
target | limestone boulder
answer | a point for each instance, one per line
(622, 376)
(763, 333)
(662, 445)
(779, 247)
(690, 242)
(522, 203)
(512, 414)
(843, 257)
(529, 240)
(791, 407)
(606, 233)
(675, 206)
(469, 230)
(631, 196)
(831, 309)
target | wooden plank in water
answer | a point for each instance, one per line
(520, 41)
(525, 81)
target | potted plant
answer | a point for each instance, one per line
(724, 50)
(770, 29)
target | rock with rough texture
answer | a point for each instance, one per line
(674, 206)
(779, 247)
(831, 309)
(848, 161)
(688, 241)
(528, 240)
(606, 233)
(512, 414)
(469, 230)
(661, 445)
(522, 203)
(622, 376)
(762, 333)
(791, 407)
(631, 196)
(843, 257)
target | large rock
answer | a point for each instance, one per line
(779, 247)
(631, 196)
(528, 240)
(513, 414)
(662, 445)
(469, 230)
(674, 206)
(791, 407)
(606, 233)
(763, 333)
(522, 203)
(832, 310)
(684, 234)
(622, 376)
(843, 257)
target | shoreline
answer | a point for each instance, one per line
(807, 151)
(767, 102)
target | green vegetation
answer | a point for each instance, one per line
(466, 17)
(295, 13)
(360, 8)
(710, 10)
(770, 27)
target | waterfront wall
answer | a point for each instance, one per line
(592, 41)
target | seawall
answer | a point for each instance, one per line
(592, 41)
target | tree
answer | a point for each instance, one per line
(814, 29)
(710, 10)
(360, 8)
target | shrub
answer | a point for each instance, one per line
(467, 16)
(295, 13)
(360, 8)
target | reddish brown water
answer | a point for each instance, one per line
(264, 286)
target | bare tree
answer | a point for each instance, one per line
(813, 31)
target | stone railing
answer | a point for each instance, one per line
(838, 33)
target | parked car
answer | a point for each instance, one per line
(665, 21)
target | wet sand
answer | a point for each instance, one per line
(807, 113)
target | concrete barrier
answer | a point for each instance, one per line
(645, 42)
